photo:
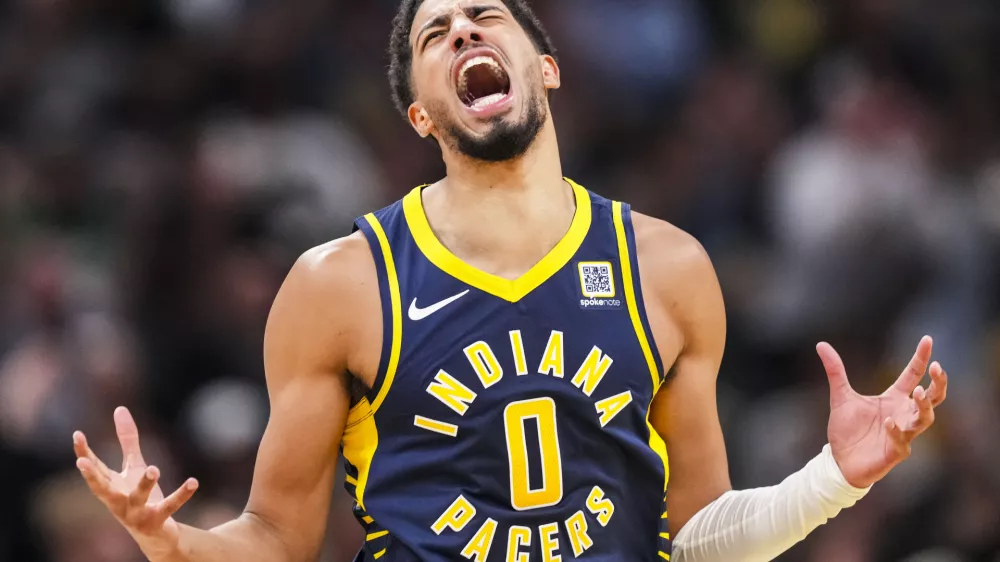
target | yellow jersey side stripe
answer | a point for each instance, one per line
(367, 519)
(664, 555)
(397, 310)
(509, 290)
(381, 553)
(665, 536)
(359, 443)
(351, 480)
(655, 441)
(375, 535)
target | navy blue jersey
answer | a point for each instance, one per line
(509, 418)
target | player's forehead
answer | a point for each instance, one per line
(431, 10)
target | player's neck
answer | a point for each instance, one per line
(537, 171)
(503, 217)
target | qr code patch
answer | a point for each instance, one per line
(596, 279)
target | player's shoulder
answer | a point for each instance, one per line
(334, 276)
(339, 261)
(669, 253)
(327, 296)
(320, 318)
(679, 281)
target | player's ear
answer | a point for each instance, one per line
(420, 120)
(550, 73)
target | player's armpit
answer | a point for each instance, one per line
(310, 345)
(686, 311)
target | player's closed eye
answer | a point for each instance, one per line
(432, 36)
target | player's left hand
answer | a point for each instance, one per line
(869, 435)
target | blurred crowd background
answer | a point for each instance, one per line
(163, 162)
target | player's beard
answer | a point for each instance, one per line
(505, 140)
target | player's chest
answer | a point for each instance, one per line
(579, 353)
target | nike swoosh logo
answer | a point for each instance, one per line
(421, 313)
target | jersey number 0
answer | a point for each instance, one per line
(522, 495)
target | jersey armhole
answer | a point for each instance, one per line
(628, 255)
(392, 321)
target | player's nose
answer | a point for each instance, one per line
(463, 32)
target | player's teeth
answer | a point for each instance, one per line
(478, 60)
(488, 100)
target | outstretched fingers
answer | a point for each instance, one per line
(99, 484)
(128, 436)
(83, 451)
(140, 495)
(835, 372)
(914, 371)
(176, 500)
(938, 390)
(127, 495)
(925, 412)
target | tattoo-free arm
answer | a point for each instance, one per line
(307, 350)
(684, 304)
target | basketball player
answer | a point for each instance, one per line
(506, 360)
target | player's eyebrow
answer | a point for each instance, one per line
(443, 20)
(473, 12)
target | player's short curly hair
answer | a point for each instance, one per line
(401, 56)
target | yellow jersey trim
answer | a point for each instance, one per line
(655, 441)
(397, 311)
(506, 289)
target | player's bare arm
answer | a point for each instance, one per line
(315, 336)
(686, 314)
(868, 435)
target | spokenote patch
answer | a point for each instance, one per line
(597, 286)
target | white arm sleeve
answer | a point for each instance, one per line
(759, 524)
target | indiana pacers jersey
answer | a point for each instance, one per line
(509, 419)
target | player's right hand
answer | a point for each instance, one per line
(133, 495)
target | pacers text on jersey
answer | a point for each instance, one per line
(457, 396)
(519, 538)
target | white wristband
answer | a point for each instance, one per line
(759, 524)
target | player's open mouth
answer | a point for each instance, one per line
(482, 83)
